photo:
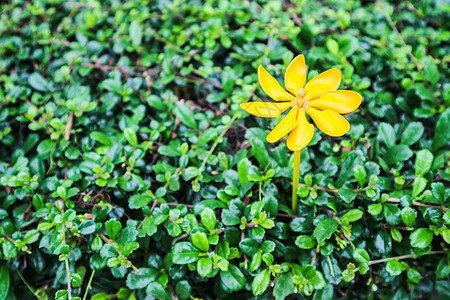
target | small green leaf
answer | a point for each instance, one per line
(412, 133)
(208, 218)
(392, 213)
(38, 82)
(186, 115)
(441, 133)
(4, 281)
(360, 174)
(375, 209)
(305, 242)
(394, 267)
(233, 279)
(261, 282)
(424, 159)
(204, 266)
(136, 34)
(200, 241)
(387, 133)
(353, 215)
(419, 185)
(130, 135)
(408, 216)
(185, 253)
(113, 228)
(325, 229)
(361, 255)
(421, 238)
(431, 70)
(398, 153)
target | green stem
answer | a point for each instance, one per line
(89, 285)
(295, 178)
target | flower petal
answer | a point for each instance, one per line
(341, 102)
(329, 121)
(295, 76)
(288, 123)
(271, 86)
(302, 134)
(266, 109)
(324, 82)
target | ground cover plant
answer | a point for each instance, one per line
(128, 169)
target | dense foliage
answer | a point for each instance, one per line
(127, 166)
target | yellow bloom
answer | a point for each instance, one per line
(319, 98)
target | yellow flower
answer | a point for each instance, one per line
(319, 98)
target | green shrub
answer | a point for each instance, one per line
(128, 170)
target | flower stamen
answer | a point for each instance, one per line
(301, 102)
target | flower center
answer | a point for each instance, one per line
(301, 102)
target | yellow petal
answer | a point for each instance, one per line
(271, 86)
(322, 83)
(266, 109)
(295, 76)
(329, 121)
(288, 123)
(341, 102)
(302, 134)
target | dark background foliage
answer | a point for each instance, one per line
(108, 109)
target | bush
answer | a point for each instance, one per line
(128, 170)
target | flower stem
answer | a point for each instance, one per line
(297, 155)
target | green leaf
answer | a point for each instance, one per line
(87, 227)
(186, 115)
(138, 201)
(431, 70)
(38, 82)
(394, 267)
(305, 242)
(419, 185)
(208, 218)
(421, 238)
(200, 241)
(353, 215)
(45, 147)
(348, 275)
(392, 213)
(386, 131)
(414, 275)
(398, 153)
(204, 266)
(158, 291)
(325, 229)
(348, 195)
(284, 286)
(361, 255)
(233, 279)
(413, 132)
(438, 191)
(136, 34)
(261, 282)
(113, 228)
(136, 281)
(4, 281)
(76, 280)
(185, 253)
(441, 133)
(130, 135)
(101, 138)
(408, 216)
(375, 209)
(360, 174)
(183, 289)
(424, 160)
